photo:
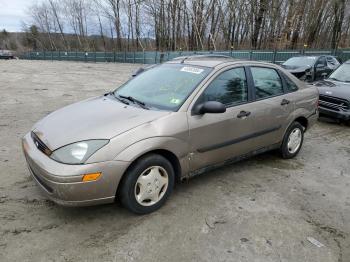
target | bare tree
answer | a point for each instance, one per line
(192, 24)
(58, 20)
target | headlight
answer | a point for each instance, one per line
(78, 153)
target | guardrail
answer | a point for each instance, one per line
(154, 57)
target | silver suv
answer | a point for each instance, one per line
(170, 122)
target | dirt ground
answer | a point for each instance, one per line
(262, 209)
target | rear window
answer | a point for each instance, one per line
(290, 85)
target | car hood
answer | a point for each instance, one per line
(334, 88)
(96, 118)
(296, 69)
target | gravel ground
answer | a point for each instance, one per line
(262, 209)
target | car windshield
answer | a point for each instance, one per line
(300, 61)
(164, 87)
(342, 74)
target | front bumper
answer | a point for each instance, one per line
(303, 76)
(342, 115)
(63, 184)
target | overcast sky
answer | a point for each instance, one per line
(13, 13)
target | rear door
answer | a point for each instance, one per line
(271, 109)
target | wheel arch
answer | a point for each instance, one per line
(173, 149)
(303, 121)
(170, 156)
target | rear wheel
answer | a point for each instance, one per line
(292, 141)
(147, 184)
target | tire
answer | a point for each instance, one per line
(290, 150)
(147, 184)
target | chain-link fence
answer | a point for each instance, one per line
(154, 57)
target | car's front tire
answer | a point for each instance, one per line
(292, 141)
(147, 184)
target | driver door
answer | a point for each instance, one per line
(215, 138)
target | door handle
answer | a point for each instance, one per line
(243, 114)
(285, 102)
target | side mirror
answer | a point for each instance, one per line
(319, 65)
(138, 71)
(211, 107)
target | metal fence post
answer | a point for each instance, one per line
(250, 55)
(59, 55)
(133, 58)
(335, 52)
(155, 58)
(95, 56)
(341, 54)
(274, 56)
(124, 56)
(143, 56)
(114, 56)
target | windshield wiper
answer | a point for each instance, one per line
(121, 100)
(134, 100)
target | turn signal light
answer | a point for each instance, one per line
(91, 177)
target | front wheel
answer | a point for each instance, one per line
(292, 141)
(147, 184)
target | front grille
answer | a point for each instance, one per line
(40, 144)
(334, 103)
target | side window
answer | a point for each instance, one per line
(229, 88)
(321, 61)
(291, 86)
(267, 82)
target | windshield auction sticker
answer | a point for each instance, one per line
(175, 101)
(192, 70)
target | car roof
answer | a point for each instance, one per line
(213, 61)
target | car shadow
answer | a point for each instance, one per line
(231, 172)
(332, 121)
